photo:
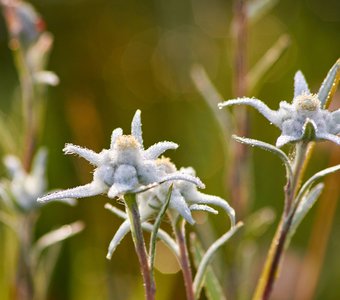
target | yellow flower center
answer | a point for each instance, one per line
(125, 142)
(166, 164)
(309, 102)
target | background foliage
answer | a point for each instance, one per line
(115, 56)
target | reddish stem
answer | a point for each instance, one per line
(184, 259)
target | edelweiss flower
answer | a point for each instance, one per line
(124, 168)
(304, 119)
(184, 198)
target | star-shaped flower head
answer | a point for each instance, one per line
(303, 119)
(126, 167)
(184, 198)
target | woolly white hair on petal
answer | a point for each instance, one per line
(91, 156)
(201, 198)
(114, 135)
(284, 139)
(136, 127)
(178, 203)
(122, 231)
(330, 137)
(157, 149)
(300, 84)
(87, 190)
(272, 115)
(203, 207)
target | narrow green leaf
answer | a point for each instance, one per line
(161, 234)
(312, 180)
(329, 85)
(309, 131)
(213, 289)
(6, 135)
(206, 259)
(259, 222)
(304, 206)
(56, 236)
(43, 271)
(270, 148)
(267, 61)
(212, 97)
(156, 226)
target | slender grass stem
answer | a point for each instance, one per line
(179, 228)
(239, 174)
(29, 107)
(138, 239)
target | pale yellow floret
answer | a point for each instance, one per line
(309, 102)
(125, 142)
(166, 164)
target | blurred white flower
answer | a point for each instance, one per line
(23, 22)
(126, 167)
(296, 120)
(46, 77)
(22, 189)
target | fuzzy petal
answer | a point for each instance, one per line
(300, 84)
(201, 198)
(118, 237)
(178, 203)
(272, 115)
(285, 139)
(87, 190)
(336, 118)
(159, 148)
(183, 176)
(114, 135)
(91, 156)
(329, 137)
(136, 127)
(203, 207)
(118, 189)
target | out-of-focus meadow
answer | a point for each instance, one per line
(115, 56)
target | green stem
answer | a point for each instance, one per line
(179, 228)
(138, 239)
(274, 257)
(24, 277)
(29, 108)
(300, 162)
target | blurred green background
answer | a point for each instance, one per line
(114, 57)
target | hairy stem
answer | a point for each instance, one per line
(138, 239)
(179, 228)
